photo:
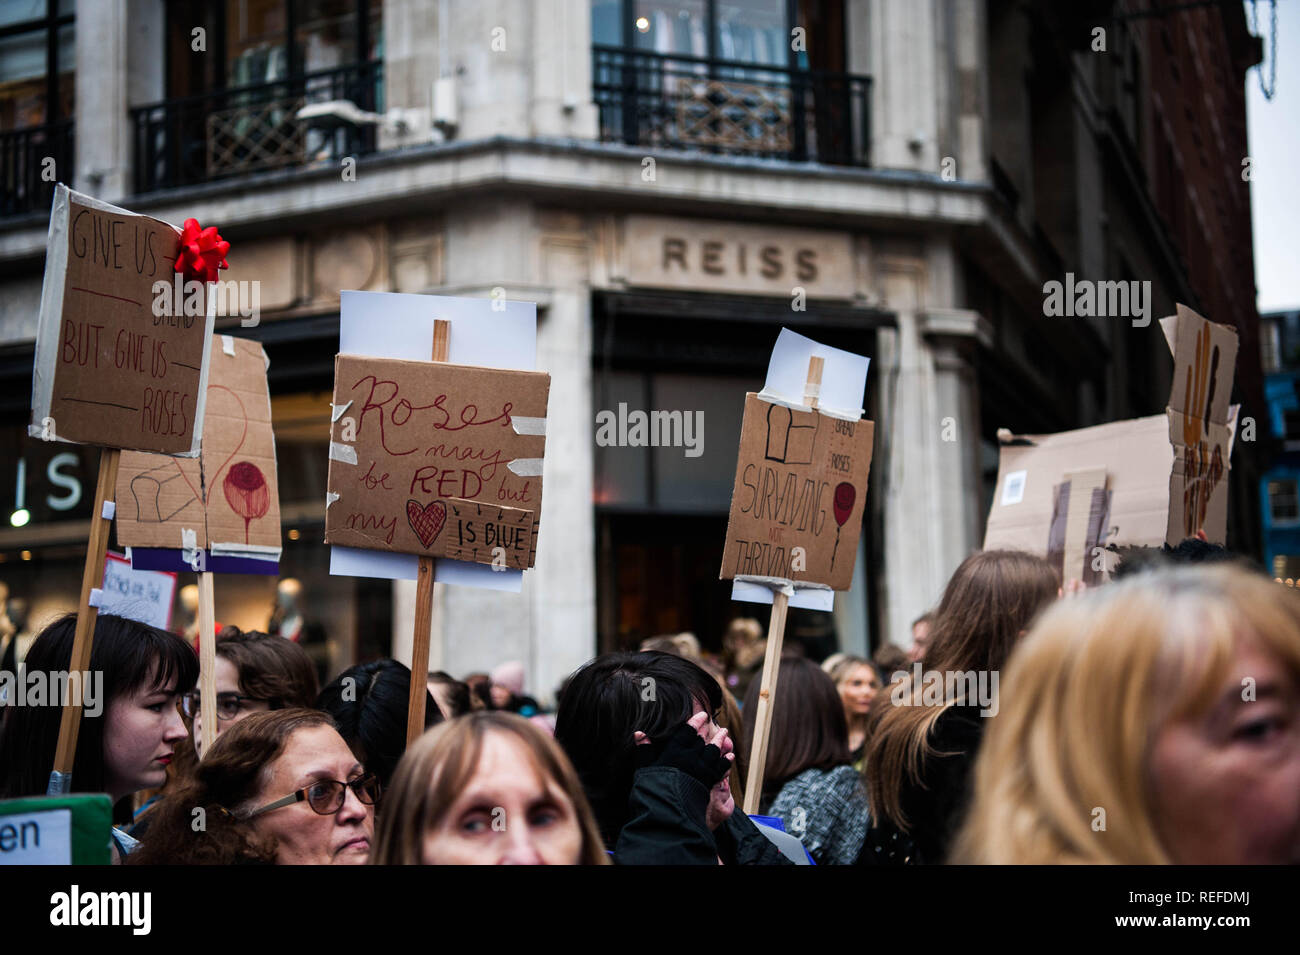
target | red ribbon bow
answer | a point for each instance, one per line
(203, 252)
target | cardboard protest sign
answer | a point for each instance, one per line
(143, 595)
(108, 370)
(227, 502)
(67, 830)
(437, 459)
(1145, 482)
(1201, 424)
(800, 493)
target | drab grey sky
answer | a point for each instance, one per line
(1273, 131)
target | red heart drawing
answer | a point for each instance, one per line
(426, 521)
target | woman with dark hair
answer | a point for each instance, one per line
(807, 778)
(490, 788)
(276, 788)
(368, 703)
(129, 730)
(639, 729)
(922, 747)
(255, 672)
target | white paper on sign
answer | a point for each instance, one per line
(400, 325)
(844, 375)
(811, 599)
(38, 838)
(1013, 491)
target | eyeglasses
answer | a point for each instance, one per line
(326, 796)
(228, 704)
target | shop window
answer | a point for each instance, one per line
(1284, 508)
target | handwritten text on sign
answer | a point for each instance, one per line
(123, 377)
(800, 492)
(416, 445)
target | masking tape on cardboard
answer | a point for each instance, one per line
(330, 498)
(343, 452)
(844, 414)
(96, 598)
(523, 425)
(787, 587)
(190, 552)
(228, 345)
(526, 467)
(108, 510)
(338, 412)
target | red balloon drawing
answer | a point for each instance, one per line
(247, 493)
(845, 495)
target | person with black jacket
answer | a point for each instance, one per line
(639, 730)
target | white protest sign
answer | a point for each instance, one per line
(36, 838)
(142, 595)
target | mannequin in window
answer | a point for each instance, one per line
(286, 619)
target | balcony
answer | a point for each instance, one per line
(728, 107)
(248, 129)
(23, 186)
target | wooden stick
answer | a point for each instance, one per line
(92, 578)
(772, 657)
(424, 594)
(766, 696)
(207, 661)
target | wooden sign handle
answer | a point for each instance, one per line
(92, 578)
(424, 594)
(207, 661)
(766, 697)
(772, 657)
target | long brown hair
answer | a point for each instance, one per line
(809, 730)
(1085, 696)
(226, 781)
(989, 601)
(438, 766)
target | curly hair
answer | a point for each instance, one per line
(198, 824)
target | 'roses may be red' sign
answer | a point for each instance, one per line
(437, 459)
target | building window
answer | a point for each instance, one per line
(37, 97)
(1284, 508)
(725, 76)
(233, 104)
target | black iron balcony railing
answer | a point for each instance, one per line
(248, 129)
(27, 178)
(736, 108)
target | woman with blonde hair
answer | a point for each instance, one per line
(488, 788)
(1156, 720)
(857, 683)
(923, 743)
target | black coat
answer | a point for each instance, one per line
(936, 806)
(667, 809)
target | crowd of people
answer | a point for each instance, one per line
(1152, 719)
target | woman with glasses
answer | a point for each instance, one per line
(277, 788)
(255, 672)
(488, 788)
(130, 720)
